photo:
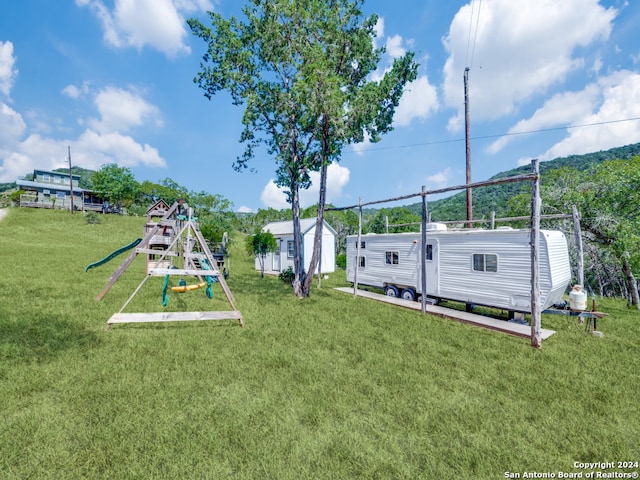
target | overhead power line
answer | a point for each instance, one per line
(508, 134)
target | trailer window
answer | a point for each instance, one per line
(429, 252)
(361, 262)
(485, 262)
(289, 248)
(363, 244)
(391, 258)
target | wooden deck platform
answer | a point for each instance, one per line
(503, 326)
(173, 317)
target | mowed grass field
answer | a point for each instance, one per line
(321, 388)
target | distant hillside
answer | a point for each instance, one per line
(7, 186)
(495, 198)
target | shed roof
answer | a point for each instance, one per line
(286, 227)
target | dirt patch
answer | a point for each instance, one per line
(3, 213)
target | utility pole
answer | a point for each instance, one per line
(70, 180)
(467, 136)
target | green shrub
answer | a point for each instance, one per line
(15, 196)
(287, 276)
(341, 260)
(92, 218)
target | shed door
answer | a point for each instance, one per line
(275, 261)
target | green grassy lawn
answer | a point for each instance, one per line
(325, 387)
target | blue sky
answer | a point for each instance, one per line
(113, 79)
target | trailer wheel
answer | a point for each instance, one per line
(408, 294)
(391, 291)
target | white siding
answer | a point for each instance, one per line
(452, 276)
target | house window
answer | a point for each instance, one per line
(361, 262)
(429, 252)
(391, 258)
(56, 179)
(289, 248)
(363, 245)
(46, 178)
(60, 195)
(485, 262)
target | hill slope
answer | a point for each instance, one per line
(495, 198)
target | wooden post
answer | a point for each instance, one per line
(357, 262)
(579, 251)
(70, 180)
(536, 336)
(423, 248)
(493, 220)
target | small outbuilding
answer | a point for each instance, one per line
(282, 259)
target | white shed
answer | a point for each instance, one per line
(283, 232)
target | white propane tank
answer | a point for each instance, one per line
(578, 299)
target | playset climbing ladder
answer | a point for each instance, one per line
(173, 238)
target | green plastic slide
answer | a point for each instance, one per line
(114, 254)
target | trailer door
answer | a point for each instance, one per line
(432, 262)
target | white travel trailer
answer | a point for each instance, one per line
(480, 267)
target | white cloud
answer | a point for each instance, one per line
(521, 50)
(379, 30)
(619, 100)
(244, 209)
(273, 197)
(122, 109)
(394, 46)
(159, 24)
(337, 179)
(12, 126)
(8, 70)
(105, 141)
(75, 92)
(561, 109)
(439, 179)
(419, 99)
(93, 149)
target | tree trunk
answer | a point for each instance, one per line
(632, 285)
(298, 264)
(317, 238)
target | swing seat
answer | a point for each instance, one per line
(187, 288)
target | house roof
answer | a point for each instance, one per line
(49, 186)
(61, 174)
(286, 227)
(158, 208)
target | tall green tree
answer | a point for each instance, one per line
(259, 244)
(608, 199)
(116, 183)
(167, 190)
(302, 70)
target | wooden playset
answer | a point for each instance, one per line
(173, 246)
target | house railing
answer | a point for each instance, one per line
(27, 200)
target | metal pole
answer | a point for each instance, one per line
(467, 136)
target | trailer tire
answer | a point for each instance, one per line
(391, 291)
(408, 294)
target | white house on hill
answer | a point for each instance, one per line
(283, 258)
